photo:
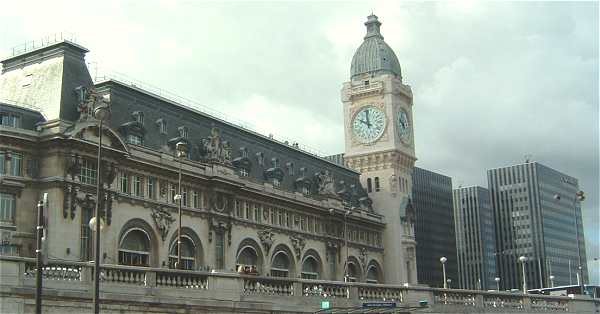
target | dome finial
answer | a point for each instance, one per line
(372, 24)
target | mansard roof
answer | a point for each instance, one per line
(262, 155)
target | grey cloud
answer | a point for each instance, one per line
(491, 83)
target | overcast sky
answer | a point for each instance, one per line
(492, 82)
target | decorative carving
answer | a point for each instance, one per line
(266, 239)
(87, 98)
(70, 201)
(220, 226)
(332, 248)
(214, 149)
(163, 220)
(220, 202)
(87, 203)
(74, 166)
(393, 183)
(366, 203)
(109, 173)
(410, 253)
(298, 243)
(363, 257)
(325, 183)
(163, 188)
(409, 213)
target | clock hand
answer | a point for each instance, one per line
(367, 114)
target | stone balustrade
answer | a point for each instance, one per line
(127, 285)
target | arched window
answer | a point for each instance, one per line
(247, 261)
(281, 265)
(310, 268)
(369, 186)
(188, 253)
(373, 274)
(352, 272)
(134, 248)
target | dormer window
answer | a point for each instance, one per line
(183, 132)
(275, 162)
(260, 158)
(11, 120)
(290, 168)
(367, 83)
(305, 190)
(135, 139)
(243, 172)
(138, 116)
(243, 152)
(162, 125)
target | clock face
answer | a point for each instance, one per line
(403, 126)
(368, 124)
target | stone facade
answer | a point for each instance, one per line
(250, 204)
(385, 161)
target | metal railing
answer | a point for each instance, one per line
(42, 42)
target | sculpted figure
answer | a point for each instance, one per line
(325, 182)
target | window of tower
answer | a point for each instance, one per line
(377, 187)
(369, 186)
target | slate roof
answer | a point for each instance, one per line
(127, 100)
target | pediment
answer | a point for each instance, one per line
(88, 131)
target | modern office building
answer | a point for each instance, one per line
(473, 217)
(434, 227)
(538, 216)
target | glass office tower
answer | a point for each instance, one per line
(434, 227)
(537, 215)
(475, 235)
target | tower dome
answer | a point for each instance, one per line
(374, 56)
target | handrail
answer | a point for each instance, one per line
(57, 270)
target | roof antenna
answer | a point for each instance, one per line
(528, 158)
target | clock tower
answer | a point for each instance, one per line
(379, 141)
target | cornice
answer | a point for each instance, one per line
(375, 161)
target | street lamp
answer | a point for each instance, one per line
(346, 214)
(523, 259)
(181, 148)
(443, 259)
(101, 113)
(448, 281)
(551, 281)
(579, 196)
(497, 280)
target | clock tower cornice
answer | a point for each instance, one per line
(381, 160)
(355, 90)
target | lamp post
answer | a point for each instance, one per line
(497, 280)
(181, 148)
(523, 259)
(101, 113)
(346, 214)
(448, 281)
(551, 281)
(579, 196)
(443, 259)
